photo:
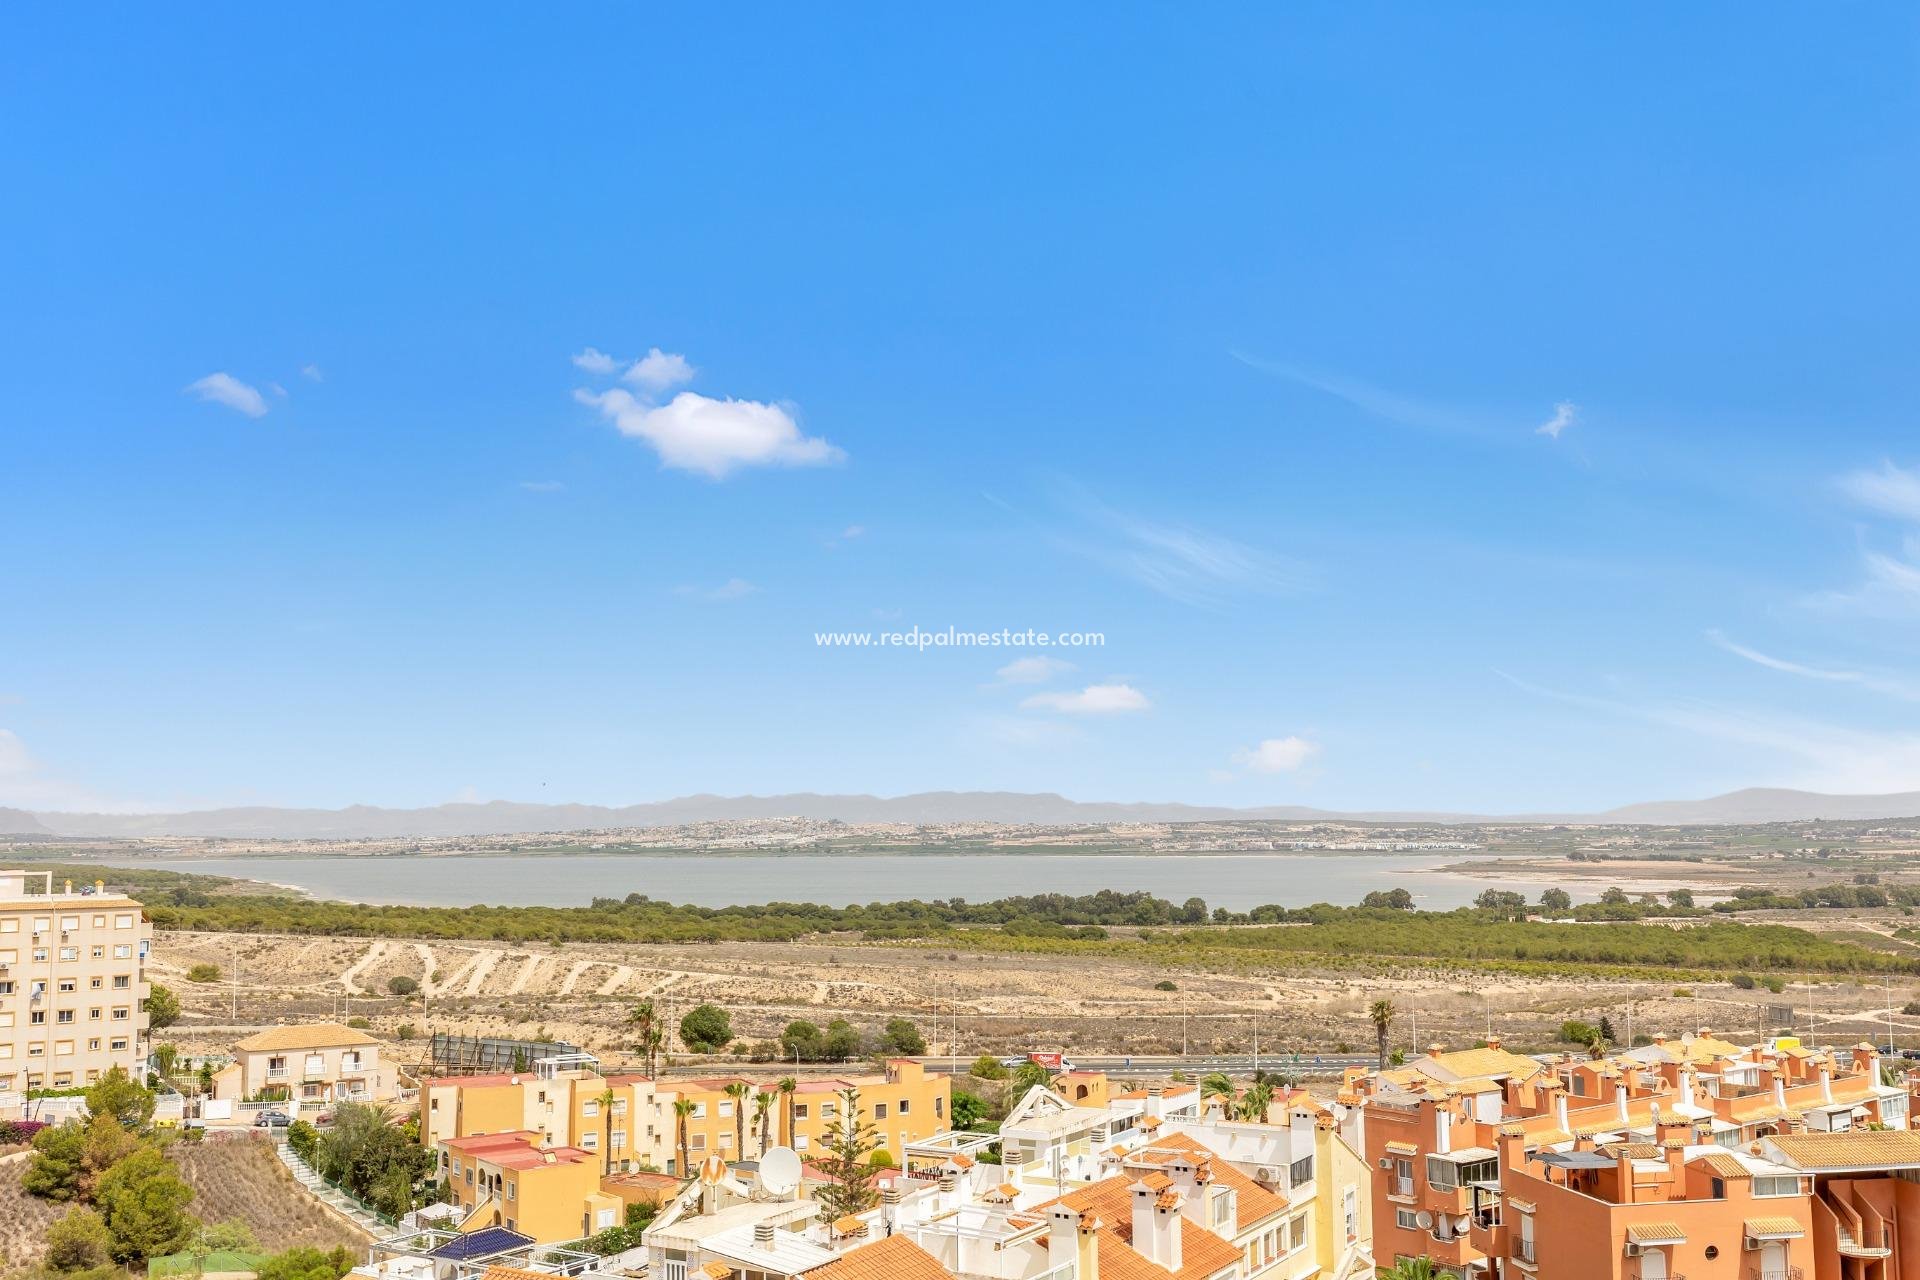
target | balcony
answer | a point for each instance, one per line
(1775, 1273)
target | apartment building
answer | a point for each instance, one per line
(633, 1122)
(515, 1180)
(73, 984)
(315, 1063)
(1451, 1135)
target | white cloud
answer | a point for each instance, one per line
(277, 389)
(594, 360)
(312, 373)
(1278, 755)
(657, 370)
(1037, 670)
(542, 486)
(731, 589)
(223, 388)
(1095, 699)
(1890, 490)
(692, 432)
(1565, 414)
(14, 759)
(846, 535)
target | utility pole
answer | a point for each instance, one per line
(234, 1006)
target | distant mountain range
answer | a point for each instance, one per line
(501, 817)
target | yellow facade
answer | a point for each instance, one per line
(513, 1180)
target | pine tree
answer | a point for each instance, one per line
(845, 1147)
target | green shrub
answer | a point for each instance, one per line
(204, 972)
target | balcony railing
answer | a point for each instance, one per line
(1774, 1273)
(1523, 1251)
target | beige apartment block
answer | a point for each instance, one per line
(73, 984)
(317, 1062)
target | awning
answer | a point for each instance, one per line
(1655, 1233)
(1575, 1159)
(1403, 1149)
(1774, 1228)
(1467, 1154)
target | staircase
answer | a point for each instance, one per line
(328, 1194)
(1848, 1247)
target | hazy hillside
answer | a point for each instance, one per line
(505, 818)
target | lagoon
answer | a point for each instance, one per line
(1236, 881)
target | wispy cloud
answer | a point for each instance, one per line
(1812, 755)
(1565, 414)
(594, 360)
(851, 533)
(224, 388)
(1193, 566)
(1035, 670)
(1891, 491)
(1095, 699)
(1278, 755)
(1405, 410)
(657, 370)
(312, 373)
(731, 589)
(1833, 675)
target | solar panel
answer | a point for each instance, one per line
(483, 1243)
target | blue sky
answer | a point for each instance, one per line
(1228, 334)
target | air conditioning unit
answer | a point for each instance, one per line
(1385, 1163)
(1266, 1173)
(1750, 1243)
(1635, 1250)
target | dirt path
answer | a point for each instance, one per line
(622, 974)
(350, 979)
(527, 970)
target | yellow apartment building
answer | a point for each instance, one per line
(73, 984)
(632, 1122)
(516, 1181)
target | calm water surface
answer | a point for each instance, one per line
(1238, 881)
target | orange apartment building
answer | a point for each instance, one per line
(1495, 1163)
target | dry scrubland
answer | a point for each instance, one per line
(235, 1180)
(997, 1001)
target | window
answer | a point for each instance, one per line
(64, 1015)
(122, 982)
(96, 952)
(123, 921)
(1406, 1219)
(120, 1013)
(590, 1108)
(800, 1142)
(94, 984)
(905, 1107)
(1442, 1175)
(879, 1111)
(800, 1111)
(123, 952)
(1776, 1186)
(118, 1045)
(1479, 1171)
(512, 1188)
(1300, 1171)
(67, 985)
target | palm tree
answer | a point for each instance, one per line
(737, 1093)
(650, 1034)
(763, 1117)
(1381, 1011)
(1254, 1105)
(1411, 1269)
(787, 1085)
(682, 1110)
(606, 1131)
(1027, 1077)
(1217, 1086)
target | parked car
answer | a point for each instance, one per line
(1910, 1053)
(272, 1120)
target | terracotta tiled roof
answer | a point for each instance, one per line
(1723, 1165)
(313, 1035)
(1656, 1233)
(1251, 1201)
(512, 1273)
(895, 1258)
(1854, 1149)
(1202, 1253)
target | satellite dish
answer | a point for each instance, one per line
(780, 1170)
(1423, 1219)
(1462, 1224)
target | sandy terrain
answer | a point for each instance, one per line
(964, 1002)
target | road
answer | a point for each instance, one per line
(1308, 1064)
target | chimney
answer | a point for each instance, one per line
(1560, 1110)
(1156, 1224)
(1672, 1132)
(1442, 1130)
(1620, 1101)
(1826, 1081)
(1493, 1041)
(1623, 1165)
(1157, 1101)
(763, 1236)
(1088, 1252)
(1436, 1049)
(1512, 1146)
(1063, 1226)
